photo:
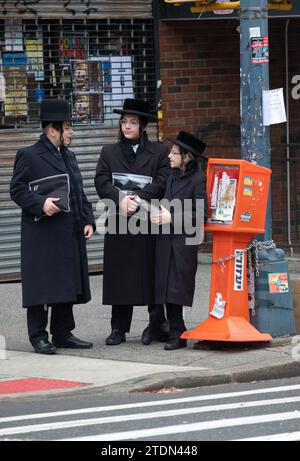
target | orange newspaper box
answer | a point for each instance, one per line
(237, 192)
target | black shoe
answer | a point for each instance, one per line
(175, 344)
(116, 337)
(43, 346)
(164, 332)
(163, 336)
(72, 343)
(147, 338)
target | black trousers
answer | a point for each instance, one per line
(175, 318)
(61, 323)
(121, 317)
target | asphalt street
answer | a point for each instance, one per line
(254, 411)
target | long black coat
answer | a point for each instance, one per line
(48, 259)
(129, 260)
(177, 262)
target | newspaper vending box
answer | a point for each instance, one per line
(237, 193)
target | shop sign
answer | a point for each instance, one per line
(73, 47)
(39, 95)
(14, 60)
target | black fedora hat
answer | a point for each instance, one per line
(55, 110)
(190, 143)
(137, 107)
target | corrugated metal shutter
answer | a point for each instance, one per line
(81, 8)
(122, 49)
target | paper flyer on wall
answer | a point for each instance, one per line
(273, 107)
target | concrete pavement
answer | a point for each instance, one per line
(132, 366)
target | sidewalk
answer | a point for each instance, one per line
(131, 366)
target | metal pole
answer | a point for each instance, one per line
(254, 72)
(255, 146)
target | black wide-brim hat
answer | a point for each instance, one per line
(137, 107)
(55, 110)
(190, 143)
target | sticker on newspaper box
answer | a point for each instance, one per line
(239, 270)
(278, 283)
(247, 191)
(246, 216)
(248, 181)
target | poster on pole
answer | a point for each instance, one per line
(259, 50)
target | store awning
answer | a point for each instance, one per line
(209, 9)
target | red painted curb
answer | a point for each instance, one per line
(35, 384)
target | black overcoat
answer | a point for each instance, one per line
(129, 260)
(177, 262)
(48, 259)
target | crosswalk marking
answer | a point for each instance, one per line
(285, 437)
(185, 428)
(149, 404)
(143, 416)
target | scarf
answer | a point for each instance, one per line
(127, 147)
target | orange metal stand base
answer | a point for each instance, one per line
(229, 281)
(232, 329)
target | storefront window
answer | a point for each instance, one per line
(94, 64)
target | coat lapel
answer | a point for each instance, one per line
(48, 156)
(180, 184)
(122, 158)
(143, 157)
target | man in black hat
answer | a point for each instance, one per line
(129, 260)
(53, 242)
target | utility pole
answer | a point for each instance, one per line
(255, 146)
(254, 74)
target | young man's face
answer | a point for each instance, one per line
(130, 125)
(67, 134)
(175, 157)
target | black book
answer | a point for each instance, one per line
(57, 186)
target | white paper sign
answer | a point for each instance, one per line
(254, 32)
(218, 310)
(273, 107)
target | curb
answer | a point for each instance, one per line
(173, 381)
(170, 382)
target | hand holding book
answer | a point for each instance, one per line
(56, 191)
(50, 208)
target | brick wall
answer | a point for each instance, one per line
(200, 68)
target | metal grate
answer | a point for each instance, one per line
(94, 64)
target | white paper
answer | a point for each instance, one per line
(218, 310)
(214, 195)
(273, 107)
(254, 32)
